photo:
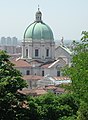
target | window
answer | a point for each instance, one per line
(43, 73)
(28, 72)
(26, 52)
(58, 73)
(47, 52)
(36, 52)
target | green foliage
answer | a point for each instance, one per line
(83, 111)
(78, 72)
(10, 81)
(85, 36)
(68, 118)
(70, 106)
(52, 107)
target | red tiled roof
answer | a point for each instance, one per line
(25, 92)
(32, 77)
(34, 92)
(50, 87)
(61, 78)
(40, 92)
(46, 65)
(35, 62)
(21, 63)
(60, 90)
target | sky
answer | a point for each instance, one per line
(66, 18)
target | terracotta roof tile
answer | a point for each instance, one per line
(34, 92)
(60, 90)
(61, 78)
(40, 92)
(32, 77)
(21, 63)
(35, 61)
(50, 87)
(46, 65)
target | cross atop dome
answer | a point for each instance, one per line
(38, 8)
(38, 15)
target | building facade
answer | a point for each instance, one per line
(40, 57)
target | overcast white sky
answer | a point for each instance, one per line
(67, 18)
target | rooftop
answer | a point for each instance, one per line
(21, 63)
(32, 77)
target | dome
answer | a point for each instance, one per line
(38, 30)
(38, 12)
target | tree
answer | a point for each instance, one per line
(10, 82)
(78, 72)
(83, 111)
(52, 107)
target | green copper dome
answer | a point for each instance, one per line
(38, 30)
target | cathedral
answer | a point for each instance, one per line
(38, 42)
(40, 56)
